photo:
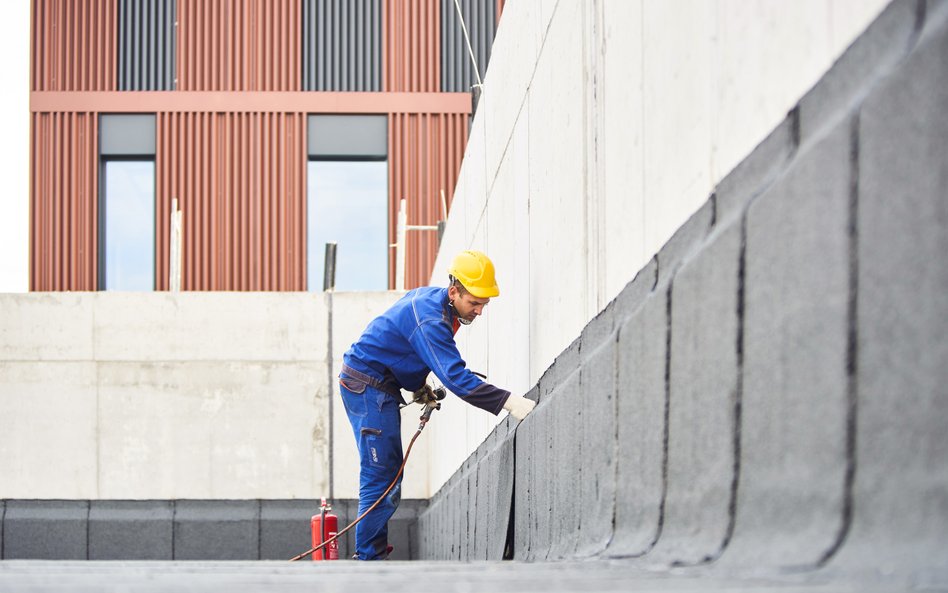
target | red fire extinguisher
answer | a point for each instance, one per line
(324, 526)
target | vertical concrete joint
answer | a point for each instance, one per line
(666, 415)
(88, 516)
(852, 341)
(738, 389)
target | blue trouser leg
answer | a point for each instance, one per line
(376, 423)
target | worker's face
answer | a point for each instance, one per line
(467, 305)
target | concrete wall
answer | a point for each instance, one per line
(159, 396)
(604, 125)
(768, 393)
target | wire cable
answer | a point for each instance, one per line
(467, 38)
(421, 426)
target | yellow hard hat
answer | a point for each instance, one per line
(475, 272)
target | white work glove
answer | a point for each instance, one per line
(519, 406)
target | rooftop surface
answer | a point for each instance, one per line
(422, 577)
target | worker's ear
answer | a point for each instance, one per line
(453, 293)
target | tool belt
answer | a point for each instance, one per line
(388, 387)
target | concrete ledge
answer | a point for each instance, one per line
(131, 530)
(702, 403)
(871, 57)
(641, 438)
(217, 530)
(46, 529)
(183, 529)
(285, 527)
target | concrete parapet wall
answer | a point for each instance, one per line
(152, 396)
(768, 393)
(602, 126)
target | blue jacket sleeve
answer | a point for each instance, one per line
(433, 342)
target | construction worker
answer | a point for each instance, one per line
(397, 351)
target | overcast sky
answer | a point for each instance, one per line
(14, 147)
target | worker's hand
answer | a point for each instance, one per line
(519, 406)
(425, 395)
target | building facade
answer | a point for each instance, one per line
(276, 125)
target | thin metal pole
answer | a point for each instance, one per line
(400, 247)
(329, 271)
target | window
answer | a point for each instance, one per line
(347, 206)
(129, 215)
(347, 200)
(127, 202)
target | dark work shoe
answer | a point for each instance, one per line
(388, 552)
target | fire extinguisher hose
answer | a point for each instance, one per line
(421, 426)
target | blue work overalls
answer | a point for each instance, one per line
(397, 351)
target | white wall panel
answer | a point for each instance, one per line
(622, 166)
(475, 187)
(189, 395)
(516, 56)
(557, 205)
(212, 430)
(48, 429)
(636, 110)
(677, 50)
(267, 326)
(66, 333)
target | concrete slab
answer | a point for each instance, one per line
(641, 402)
(217, 530)
(630, 300)
(872, 55)
(131, 530)
(486, 496)
(899, 511)
(526, 484)
(600, 330)
(513, 59)
(415, 577)
(285, 527)
(676, 93)
(795, 408)
(208, 430)
(566, 466)
(469, 508)
(563, 366)
(533, 536)
(599, 446)
(46, 530)
(48, 430)
(508, 316)
(703, 403)
(753, 175)
(283, 326)
(686, 241)
(622, 144)
(429, 528)
(66, 320)
(557, 188)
